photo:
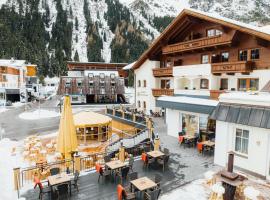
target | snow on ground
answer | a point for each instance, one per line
(10, 161)
(3, 109)
(193, 191)
(17, 104)
(38, 114)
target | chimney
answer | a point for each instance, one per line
(230, 161)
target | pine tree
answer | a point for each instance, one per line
(76, 56)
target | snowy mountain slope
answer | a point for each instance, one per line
(144, 13)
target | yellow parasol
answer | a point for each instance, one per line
(67, 139)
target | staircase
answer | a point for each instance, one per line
(128, 142)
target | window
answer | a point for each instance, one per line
(255, 54)
(204, 84)
(241, 141)
(144, 83)
(205, 59)
(213, 32)
(139, 104)
(4, 78)
(75, 98)
(225, 57)
(144, 105)
(254, 84)
(67, 84)
(215, 58)
(165, 84)
(139, 83)
(243, 55)
(248, 84)
(224, 84)
(79, 84)
(242, 84)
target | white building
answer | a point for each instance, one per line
(243, 126)
(15, 77)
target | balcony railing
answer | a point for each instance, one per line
(160, 92)
(163, 72)
(197, 44)
(232, 67)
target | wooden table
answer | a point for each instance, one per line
(60, 179)
(189, 137)
(208, 143)
(115, 164)
(143, 183)
(155, 154)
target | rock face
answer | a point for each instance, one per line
(101, 30)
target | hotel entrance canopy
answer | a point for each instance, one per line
(189, 104)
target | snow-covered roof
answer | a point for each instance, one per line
(129, 66)
(250, 98)
(189, 100)
(265, 29)
(12, 63)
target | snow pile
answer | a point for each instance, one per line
(11, 160)
(193, 191)
(38, 114)
(17, 104)
(3, 110)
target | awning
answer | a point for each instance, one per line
(243, 114)
(189, 104)
(12, 91)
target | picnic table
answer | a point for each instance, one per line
(60, 179)
(143, 183)
(155, 154)
(115, 164)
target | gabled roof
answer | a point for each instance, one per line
(261, 32)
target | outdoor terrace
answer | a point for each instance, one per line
(179, 172)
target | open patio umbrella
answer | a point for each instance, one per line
(67, 139)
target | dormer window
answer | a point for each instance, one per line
(213, 32)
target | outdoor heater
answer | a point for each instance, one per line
(229, 178)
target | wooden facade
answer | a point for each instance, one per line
(195, 38)
(161, 92)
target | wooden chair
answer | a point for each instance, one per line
(163, 161)
(123, 194)
(150, 161)
(152, 195)
(131, 162)
(144, 159)
(75, 180)
(123, 174)
(55, 171)
(102, 173)
(42, 190)
(158, 179)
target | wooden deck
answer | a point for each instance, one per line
(176, 175)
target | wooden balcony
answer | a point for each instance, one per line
(214, 94)
(160, 92)
(197, 44)
(232, 67)
(163, 72)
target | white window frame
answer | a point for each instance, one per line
(234, 141)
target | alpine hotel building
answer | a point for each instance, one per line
(212, 74)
